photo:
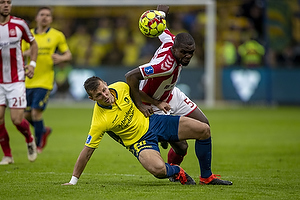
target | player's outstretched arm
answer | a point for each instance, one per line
(80, 164)
(163, 8)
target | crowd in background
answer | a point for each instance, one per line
(249, 33)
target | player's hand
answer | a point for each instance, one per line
(67, 184)
(29, 71)
(146, 110)
(164, 106)
(163, 8)
(56, 58)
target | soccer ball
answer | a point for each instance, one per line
(152, 23)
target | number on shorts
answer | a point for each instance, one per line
(16, 101)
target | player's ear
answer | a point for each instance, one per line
(91, 98)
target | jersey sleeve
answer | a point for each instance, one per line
(166, 36)
(62, 46)
(27, 35)
(161, 66)
(97, 130)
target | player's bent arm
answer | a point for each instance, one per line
(33, 51)
(164, 106)
(147, 99)
(163, 8)
(133, 78)
(66, 56)
(80, 164)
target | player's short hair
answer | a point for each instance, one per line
(43, 8)
(91, 84)
(183, 38)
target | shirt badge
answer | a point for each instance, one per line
(148, 70)
(89, 138)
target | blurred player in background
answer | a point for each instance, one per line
(116, 114)
(154, 84)
(39, 87)
(12, 88)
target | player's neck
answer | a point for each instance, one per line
(4, 19)
(41, 29)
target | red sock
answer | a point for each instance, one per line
(25, 130)
(4, 141)
(174, 158)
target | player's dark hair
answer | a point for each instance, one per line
(183, 38)
(91, 84)
(44, 8)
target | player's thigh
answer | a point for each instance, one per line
(152, 161)
(39, 98)
(192, 129)
(16, 95)
(2, 113)
(199, 115)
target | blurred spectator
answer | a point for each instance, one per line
(79, 43)
(102, 42)
(251, 53)
(131, 51)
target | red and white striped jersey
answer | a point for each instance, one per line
(11, 57)
(162, 72)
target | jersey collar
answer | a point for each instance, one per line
(35, 30)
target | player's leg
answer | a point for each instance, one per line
(177, 152)
(180, 105)
(39, 101)
(152, 161)
(193, 129)
(17, 117)
(4, 140)
(17, 103)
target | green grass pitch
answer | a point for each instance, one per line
(258, 148)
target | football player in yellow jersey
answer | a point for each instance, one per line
(116, 114)
(38, 88)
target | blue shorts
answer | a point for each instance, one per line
(161, 128)
(37, 98)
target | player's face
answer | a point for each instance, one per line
(5, 7)
(184, 53)
(102, 95)
(43, 18)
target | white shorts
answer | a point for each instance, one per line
(14, 94)
(180, 104)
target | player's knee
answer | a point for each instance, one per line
(204, 132)
(16, 121)
(159, 171)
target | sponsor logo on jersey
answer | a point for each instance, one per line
(148, 70)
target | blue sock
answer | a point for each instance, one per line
(203, 153)
(39, 130)
(172, 169)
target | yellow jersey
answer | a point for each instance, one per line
(122, 121)
(48, 43)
